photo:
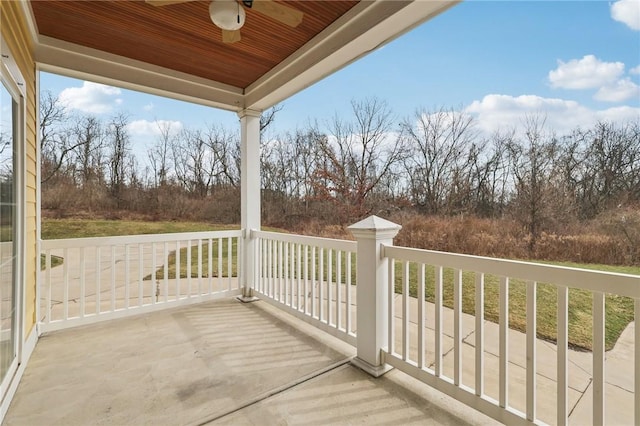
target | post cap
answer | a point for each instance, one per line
(374, 223)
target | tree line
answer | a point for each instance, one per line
(434, 162)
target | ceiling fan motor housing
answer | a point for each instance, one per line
(227, 14)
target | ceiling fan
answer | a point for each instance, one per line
(229, 15)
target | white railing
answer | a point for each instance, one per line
(110, 277)
(485, 365)
(312, 278)
(409, 351)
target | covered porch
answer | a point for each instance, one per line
(124, 337)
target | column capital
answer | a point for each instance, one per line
(249, 113)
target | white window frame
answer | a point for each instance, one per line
(13, 80)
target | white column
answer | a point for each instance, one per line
(372, 292)
(249, 195)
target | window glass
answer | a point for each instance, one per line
(8, 126)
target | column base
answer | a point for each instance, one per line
(247, 296)
(374, 370)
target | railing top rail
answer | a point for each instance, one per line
(136, 239)
(607, 282)
(327, 243)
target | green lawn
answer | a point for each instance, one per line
(215, 264)
(619, 310)
(55, 261)
(85, 228)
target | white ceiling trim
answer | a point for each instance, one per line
(76, 61)
(31, 21)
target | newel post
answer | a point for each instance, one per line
(372, 292)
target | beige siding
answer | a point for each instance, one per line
(14, 31)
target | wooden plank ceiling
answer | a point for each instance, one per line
(182, 37)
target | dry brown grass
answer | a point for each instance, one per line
(504, 238)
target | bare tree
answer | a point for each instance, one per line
(268, 117)
(119, 156)
(440, 142)
(307, 155)
(159, 154)
(224, 155)
(489, 174)
(358, 155)
(88, 140)
(613, 158)
(55, 137)
(533, 160)
(191, 158)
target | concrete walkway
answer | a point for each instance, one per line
(113, 283)
(618, 369)
(219, 362)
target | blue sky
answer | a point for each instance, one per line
(575, 61)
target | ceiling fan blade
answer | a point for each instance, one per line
(278, 11)
(230, 36)
(166, 2)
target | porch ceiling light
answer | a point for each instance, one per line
(227, 14)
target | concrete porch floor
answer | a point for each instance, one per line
(220, 362)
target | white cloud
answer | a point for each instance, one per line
(619, 91)
(92, 98)
(148, 107)
(153, 128)
(627, 12)
(635, 70)
(621, 114)
(586, 73)
(500, 112)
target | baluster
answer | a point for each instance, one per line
(479, 308)
(339, 290)
(457, 327)
(349, 325)
(113, 278)
(210, 264)
(438, 320)
(405, 311)
(154, 266)
(598, 357)
(165, 256)
(229, 262)
(306, 279)
(391, 323)
(127, 289)
(329, 285)
(82, 282)
(140, 273)
(421, 315)
(189, 269)
(504, 343)
(563, 378)
(531, 351)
